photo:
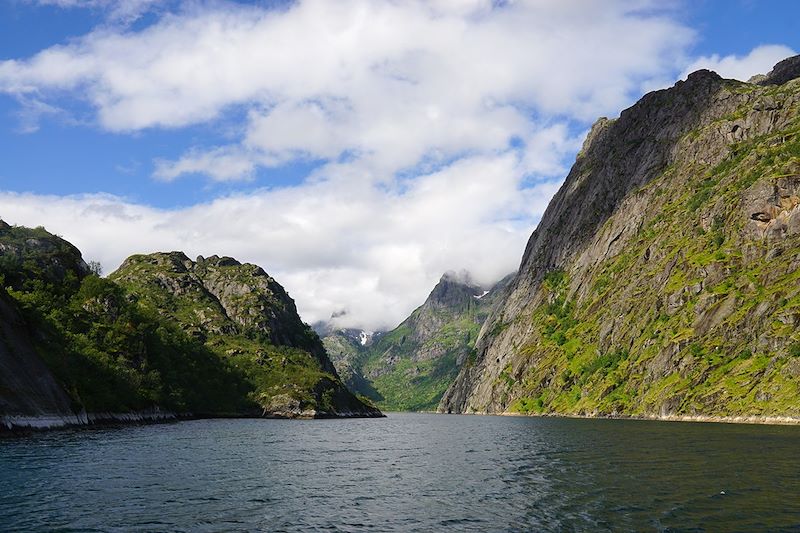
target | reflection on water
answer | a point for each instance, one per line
(409, 472)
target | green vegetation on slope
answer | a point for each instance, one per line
(110, 354)
(241, 314)
(412, 383)
(160, 340)
(411, 367)
(698, 313)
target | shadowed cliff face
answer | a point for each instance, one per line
(30, 395)
(27, 387)
(633, 295)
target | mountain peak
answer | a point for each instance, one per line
(783, 71)
(462, 277)
(454, 290)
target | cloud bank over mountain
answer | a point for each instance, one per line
(435, 132)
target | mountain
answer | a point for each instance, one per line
(163, 337)
(61, 332)
(346, 348)
(410, 367)
(662, 280)
(241, 313)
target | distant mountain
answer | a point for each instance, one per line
(347, 349)
(163, 336)
(662, 280)
(410, 367)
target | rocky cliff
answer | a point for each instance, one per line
(29, 393)
(662, 278)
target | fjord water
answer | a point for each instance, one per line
(408, 472)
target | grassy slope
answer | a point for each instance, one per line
(418, 385)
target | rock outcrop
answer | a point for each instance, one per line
(28, 255)
(661, 279)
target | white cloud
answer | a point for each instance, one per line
(221, 164)
(760, 60)
(443, 128)
(394, 82)
(373, 251)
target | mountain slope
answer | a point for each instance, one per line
(410, 367)
(239, 312)
(662, 279)
(76, 348)
(347, 349)
(31, 394)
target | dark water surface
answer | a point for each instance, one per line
(408, 472)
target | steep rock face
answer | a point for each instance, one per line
(410, 367)
(242, 313)
(31, 396)
(661, 278)
(218, 296)
(783, 72)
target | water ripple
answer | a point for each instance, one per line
(414, 473)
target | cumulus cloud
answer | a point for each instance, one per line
(394, 82)
(373, 251)
(760, 60)
(438, 130)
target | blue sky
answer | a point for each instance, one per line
(355, 149)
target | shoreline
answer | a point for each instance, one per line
(711, 419)
(11, 425)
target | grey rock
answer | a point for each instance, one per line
(785, 71)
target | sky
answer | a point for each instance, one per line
(356, 149)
